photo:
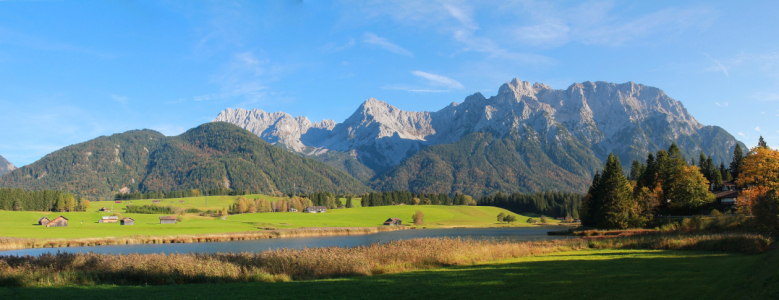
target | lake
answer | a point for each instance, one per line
(513, 234)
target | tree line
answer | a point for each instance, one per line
(45, 200)
(665, 184)
(181, 194)
(550, 203)
(409, 198)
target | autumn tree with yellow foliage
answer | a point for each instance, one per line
(760, 178)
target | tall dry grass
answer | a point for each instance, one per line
(316, 263)
(7, 243)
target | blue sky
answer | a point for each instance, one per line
(72, 71)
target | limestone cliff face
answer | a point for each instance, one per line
(592, 119)
(5, 166)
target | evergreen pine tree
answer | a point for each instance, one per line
(736, 163)
(616, 196)
(761, 143)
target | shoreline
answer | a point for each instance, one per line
(15, 243)
(12, 243)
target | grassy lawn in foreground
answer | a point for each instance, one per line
(21, 224)
(590, 274)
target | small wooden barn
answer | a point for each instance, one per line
(43, 221)
(393, 221)
(155, 201)
(103, 209)
(118, 201)
(127, 221)
(109, 219)
(58, 222)
(167, 219)
(316, 209)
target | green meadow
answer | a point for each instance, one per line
(85, 224)
(587, 274)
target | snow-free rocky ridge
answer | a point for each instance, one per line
(575, 128)
(5, 166)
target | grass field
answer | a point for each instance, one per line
(21, 224)
(214, 202)
(588, 274)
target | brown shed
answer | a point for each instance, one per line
(43, 221)
(167, 219)
(58, 222)
(127, 221)
(104, 209)
(155, 201)
(393, 221)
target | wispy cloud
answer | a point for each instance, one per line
(333, 47)
(758, 129)
(243, 76)
(599, 22)
(438, 80)
(120, 99)
(724, 104)
(718, 67)
(372, 38)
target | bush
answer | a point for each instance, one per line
(419, 218)
(149, 209)
(193, 211)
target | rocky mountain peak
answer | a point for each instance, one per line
(595, 118)
(5, 166)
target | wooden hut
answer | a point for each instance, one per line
(103, 209)
(393, 222)
(127, 221)
(43, 221)
(58, 222)
(155, 201)
(167, 219)
(109, 219)
(316, 209)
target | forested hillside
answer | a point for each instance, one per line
(209, 156)
(479, 165)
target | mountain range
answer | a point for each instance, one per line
(528, 137)
(5, 166)
(213, 155)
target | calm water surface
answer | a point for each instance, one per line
(514, 234)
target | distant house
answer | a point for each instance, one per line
(43, 221)
(155, 201)
(167, 219)
(58, 222)
(726, 195)
(181, 201)
(393, 222)
(103, 209)
(292, 209)
(109, 219)
(118, 201)
(316, 209)
(127, 221)
(727, 199)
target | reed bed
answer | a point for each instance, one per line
(63, 269)
(7, 243)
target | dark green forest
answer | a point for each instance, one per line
(549, 203)
(210, 156)
(480, 164)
